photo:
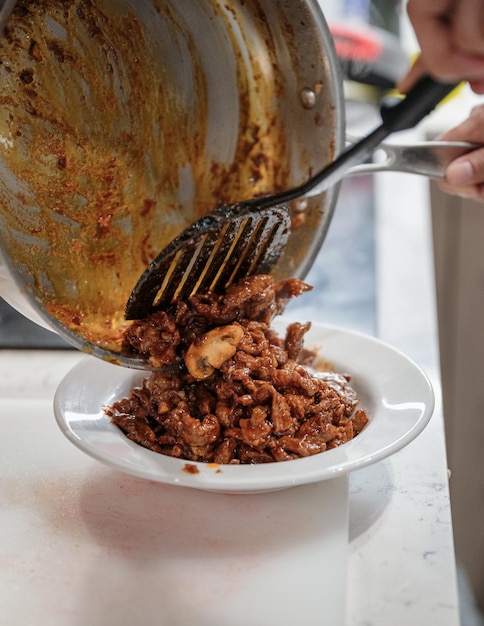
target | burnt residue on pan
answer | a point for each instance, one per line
(121, 122)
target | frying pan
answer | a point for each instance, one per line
(123, 121)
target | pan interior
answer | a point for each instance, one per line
(123, 121)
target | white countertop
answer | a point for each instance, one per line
(401, 567)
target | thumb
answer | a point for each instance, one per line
(466, 170)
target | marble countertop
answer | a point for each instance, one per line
(400, 568)
(412, 576)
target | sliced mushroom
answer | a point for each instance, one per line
(211, 350)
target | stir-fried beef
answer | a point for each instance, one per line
(230, 390)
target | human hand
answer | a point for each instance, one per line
(450, 34)
(465, 175)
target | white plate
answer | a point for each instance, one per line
(394, 391)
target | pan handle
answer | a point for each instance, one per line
(426, 158)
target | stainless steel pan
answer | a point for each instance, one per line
(118, 114)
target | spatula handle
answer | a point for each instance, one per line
(407, 113)
(419, 102)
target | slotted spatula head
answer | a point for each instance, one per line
(219, 249)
